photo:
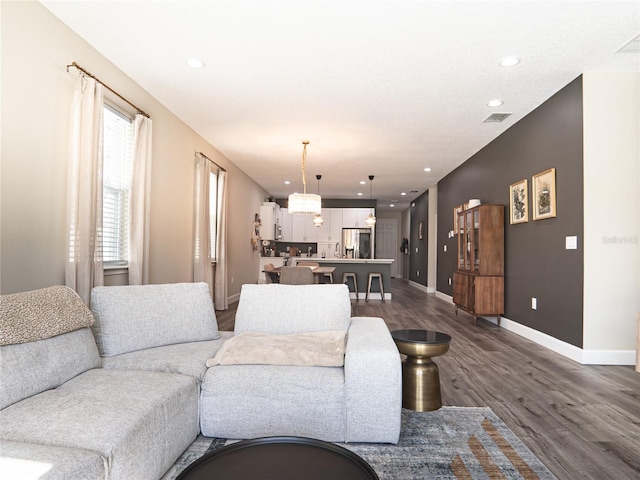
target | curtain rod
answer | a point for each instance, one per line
(140, 111)
(221, 168)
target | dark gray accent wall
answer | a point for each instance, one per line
(536, 261)
(418, 261)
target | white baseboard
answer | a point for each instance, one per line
(233, 298)
(419, 286)
(444, 296)
(609, 357)
(585, 357)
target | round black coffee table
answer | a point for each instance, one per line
(280, 458)
(420, 375)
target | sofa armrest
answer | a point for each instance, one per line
(373, 382)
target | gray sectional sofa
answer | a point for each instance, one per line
(123, 396)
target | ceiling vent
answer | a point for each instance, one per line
(633, 46)
(496, 117)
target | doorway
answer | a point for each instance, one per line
(387, 242)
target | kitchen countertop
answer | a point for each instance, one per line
(349, 260)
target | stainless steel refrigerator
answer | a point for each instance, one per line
(356, 242)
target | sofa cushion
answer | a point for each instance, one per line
(23, 461)
(250, 401)
(40, 314)
(135, 317)
(285, 309)
(30, 368)
(138, 422)
(186, 358)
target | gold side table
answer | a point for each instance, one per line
(420, 375)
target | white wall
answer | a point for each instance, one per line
(611, 212)
(36, 94)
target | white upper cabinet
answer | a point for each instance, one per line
(355, 217)
(287, 225)
(269, 219)
(325, 232)
(300, 228)
(348, 218)
(310, 230)
(361, 216)
(335, 235)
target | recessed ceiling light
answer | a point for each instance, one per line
(403, 193)
(195, 63)
(360, 194)
(287, 182)
(427, 169)
(362, 182)
(509, 61)
(496, 102)
(392, 205)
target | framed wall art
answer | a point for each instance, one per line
(543, 186)
(518, 202)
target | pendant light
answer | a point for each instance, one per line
(304, 203)
(371, 218)
(317, 219)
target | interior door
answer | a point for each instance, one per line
(386, 245)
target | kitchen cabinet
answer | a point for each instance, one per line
(287, 225)
(270, 221)
(331, 229)
(310, 230)
(336, 226)
(348, 218)
(478, 283)
(324, 230)
(300, 228)
(355, 217)
(303, 229)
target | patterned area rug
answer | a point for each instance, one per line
(450, 443)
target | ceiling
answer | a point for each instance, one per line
(378, 87)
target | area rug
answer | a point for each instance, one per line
(450, 443)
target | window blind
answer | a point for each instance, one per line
(117, 171)
(213, 214)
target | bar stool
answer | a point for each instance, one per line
(329, 276)
(373, 275)
(346, 276)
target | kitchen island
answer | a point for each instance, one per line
(361, 267)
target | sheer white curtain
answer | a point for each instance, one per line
(84, 268)
(220, 295)
(205, 251)
(202, 267)
(139, 201)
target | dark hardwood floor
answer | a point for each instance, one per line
(582, 421)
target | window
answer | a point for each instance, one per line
(213, 214)
(206, 229)
(117, 171)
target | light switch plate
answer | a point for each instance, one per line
(571, 242)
